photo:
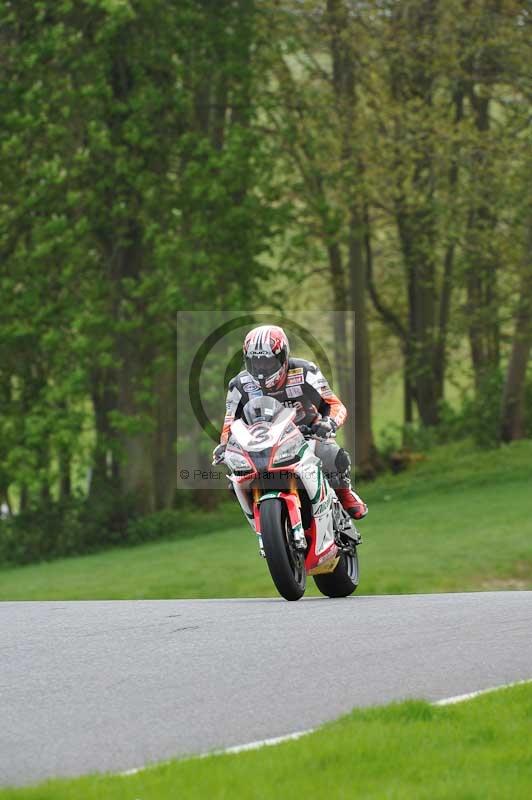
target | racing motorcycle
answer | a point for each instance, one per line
(301, 526)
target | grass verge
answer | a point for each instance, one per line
(459, 521)
(478, 749)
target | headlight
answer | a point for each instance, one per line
(288, 452)
(237, 462)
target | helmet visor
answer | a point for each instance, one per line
(263, 368)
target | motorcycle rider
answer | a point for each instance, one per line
(300, 384)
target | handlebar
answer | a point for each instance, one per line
(306, 430)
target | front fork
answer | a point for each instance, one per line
(293, 506)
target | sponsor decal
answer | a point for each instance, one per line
(294, 391)
(322, 507)
(296, 371)
(293, 379)
(250, 387)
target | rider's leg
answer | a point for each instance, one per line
(337, 466)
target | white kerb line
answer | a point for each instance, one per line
(238, 748)
(460, 698)
(241, 748)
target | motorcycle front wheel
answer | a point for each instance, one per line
(285, 562)
(344, 580)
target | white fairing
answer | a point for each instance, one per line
(244, 498)
(263, 435)
(311, 474)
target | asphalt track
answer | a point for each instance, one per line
(110, 686)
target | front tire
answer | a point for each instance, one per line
(286, 564)
(344, 580)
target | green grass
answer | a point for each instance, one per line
(480, 749)
(461, 520)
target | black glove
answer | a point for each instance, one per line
(218, 454)
(324, 428)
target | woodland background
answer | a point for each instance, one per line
(156, 156)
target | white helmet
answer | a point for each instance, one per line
(266, 353)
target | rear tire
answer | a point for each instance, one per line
(286, 564)
(344, 580)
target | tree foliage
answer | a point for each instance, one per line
(155, 156)
(132, 175)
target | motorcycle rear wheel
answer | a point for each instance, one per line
(344, 580)
(286, 564)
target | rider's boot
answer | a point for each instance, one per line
(351, 502)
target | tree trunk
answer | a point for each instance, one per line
(408, 400)
(513, 402)
(341, 348)
(413, 85)
(440, 354)
(123, 245)
(64, 458)
(357, 380)
(103, 397)
(137, 479)
(24, 499)
(336, 271)
(365, 454)
(416, 233)
(341, 340)
(65, 482)
(164, 451)
(482, 261)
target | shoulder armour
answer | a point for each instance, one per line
(236, 382)
(302, 363)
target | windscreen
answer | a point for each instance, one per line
(262, 409)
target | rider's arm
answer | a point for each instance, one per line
(328, 405)
(233, 409)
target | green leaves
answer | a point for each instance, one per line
(130, 172)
